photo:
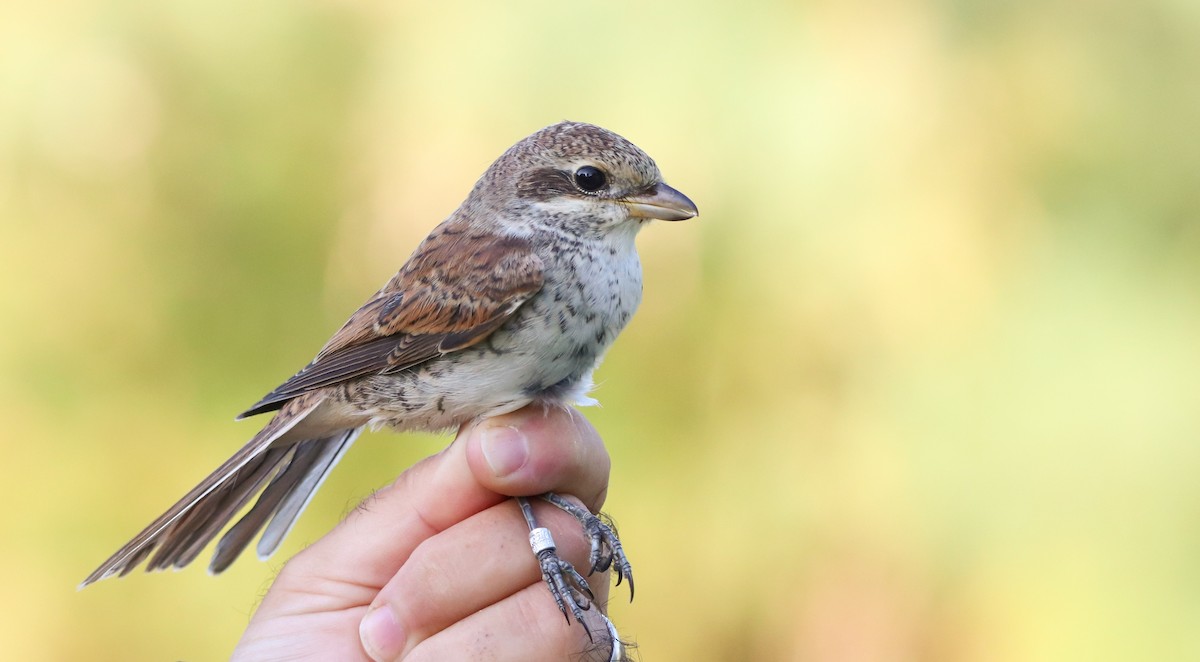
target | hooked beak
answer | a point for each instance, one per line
(661, 202)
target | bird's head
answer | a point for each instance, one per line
(582, 177)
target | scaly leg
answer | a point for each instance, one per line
(569, 588)
(606, 547)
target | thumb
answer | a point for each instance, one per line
(539, 449)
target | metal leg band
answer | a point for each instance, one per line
(541, 540)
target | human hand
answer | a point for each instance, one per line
(437, 565)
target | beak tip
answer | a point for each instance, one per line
(663, 203)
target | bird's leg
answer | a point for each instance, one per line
(569, 588)
(606, 547)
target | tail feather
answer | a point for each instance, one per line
(181, 532)
(130, 564)
(309, 463)
(239, 535)
(218, 516)
(186, 538)
(289, 510)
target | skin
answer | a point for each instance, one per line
(428, 568)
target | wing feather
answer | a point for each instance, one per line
(456, 289)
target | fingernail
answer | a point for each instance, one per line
(381, 634)
(505, 448)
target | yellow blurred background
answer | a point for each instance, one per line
(921, 383)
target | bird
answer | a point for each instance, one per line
(513, 299)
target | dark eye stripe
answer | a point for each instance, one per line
(545, 183)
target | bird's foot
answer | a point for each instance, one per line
(606, 546)
(569, 588)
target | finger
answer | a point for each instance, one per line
(524, 627)
(470, 566)
(569, 457)
(377, 538)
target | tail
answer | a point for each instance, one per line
(291, 472)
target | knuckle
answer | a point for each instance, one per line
(417, 577)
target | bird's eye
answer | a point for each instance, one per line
(590, 179)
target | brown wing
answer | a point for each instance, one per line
(457, 289)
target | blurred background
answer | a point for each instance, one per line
(921, 383)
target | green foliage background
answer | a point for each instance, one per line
(921, 383)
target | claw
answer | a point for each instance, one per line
(606, 553)
(570, 590)
(580, 582)
(606, 550)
